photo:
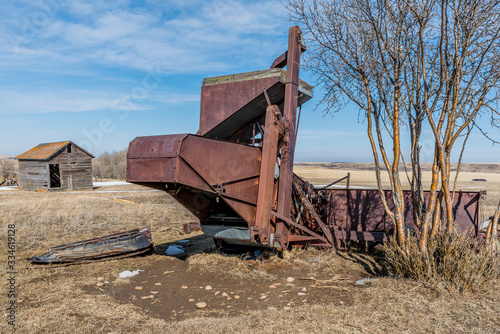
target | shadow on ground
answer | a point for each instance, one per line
(183, 249)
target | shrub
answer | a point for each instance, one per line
(110, 166)
(8, 169)
(454, 259)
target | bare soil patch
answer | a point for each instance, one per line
(234, 284)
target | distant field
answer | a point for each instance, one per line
(465, 167)
(363, 175)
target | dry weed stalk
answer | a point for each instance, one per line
(454, 259)
(492, 233)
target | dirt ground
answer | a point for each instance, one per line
(178, 285)
(251, 291)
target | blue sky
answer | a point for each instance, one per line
(101, 73)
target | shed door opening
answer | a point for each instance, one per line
(55, 176)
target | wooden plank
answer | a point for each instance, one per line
(32, 174)
(262, 74)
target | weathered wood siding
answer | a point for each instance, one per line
(75, 169)
(33, 174)
(75, 166)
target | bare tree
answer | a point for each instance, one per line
(493, 229)
(110, 165)
(411, 64)
(8, 169)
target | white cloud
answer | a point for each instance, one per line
(202, 35)
(75, 101)
(112, 39)
(84, 8)
(86, 100)
(110, 27)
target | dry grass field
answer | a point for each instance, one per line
(363, 175)
(321, 299)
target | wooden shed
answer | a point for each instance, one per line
(56, 166)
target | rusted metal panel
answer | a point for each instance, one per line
(290, 116)
(221, 101)
(466, 210)
(193, 167)
(154, 158)
(262, 228)
(282, 59)
(191, 227)
(231, 168)
(188, 176)
(218, 181)
(121, 244)
(229, 103)
(362, 209)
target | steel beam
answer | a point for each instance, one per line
(262, 228)
(290, 115)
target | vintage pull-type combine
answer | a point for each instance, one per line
(236, 173)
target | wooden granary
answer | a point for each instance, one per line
(55, 166)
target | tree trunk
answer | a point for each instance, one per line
(491, 235)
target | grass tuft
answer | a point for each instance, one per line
(452, 259)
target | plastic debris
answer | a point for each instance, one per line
(128, 273)
(363, 281)
(174, 250)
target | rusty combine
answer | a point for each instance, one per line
(236, 173)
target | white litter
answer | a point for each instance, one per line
(173, 250)
(128, 273)
(110, 183)
(363, 281)
(9, 188)
(483, 226)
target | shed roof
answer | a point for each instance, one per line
(45, 151)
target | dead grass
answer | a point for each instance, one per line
(63, 300)
(45, 218)
(312, 263)
(55, 300)
(450, 259)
